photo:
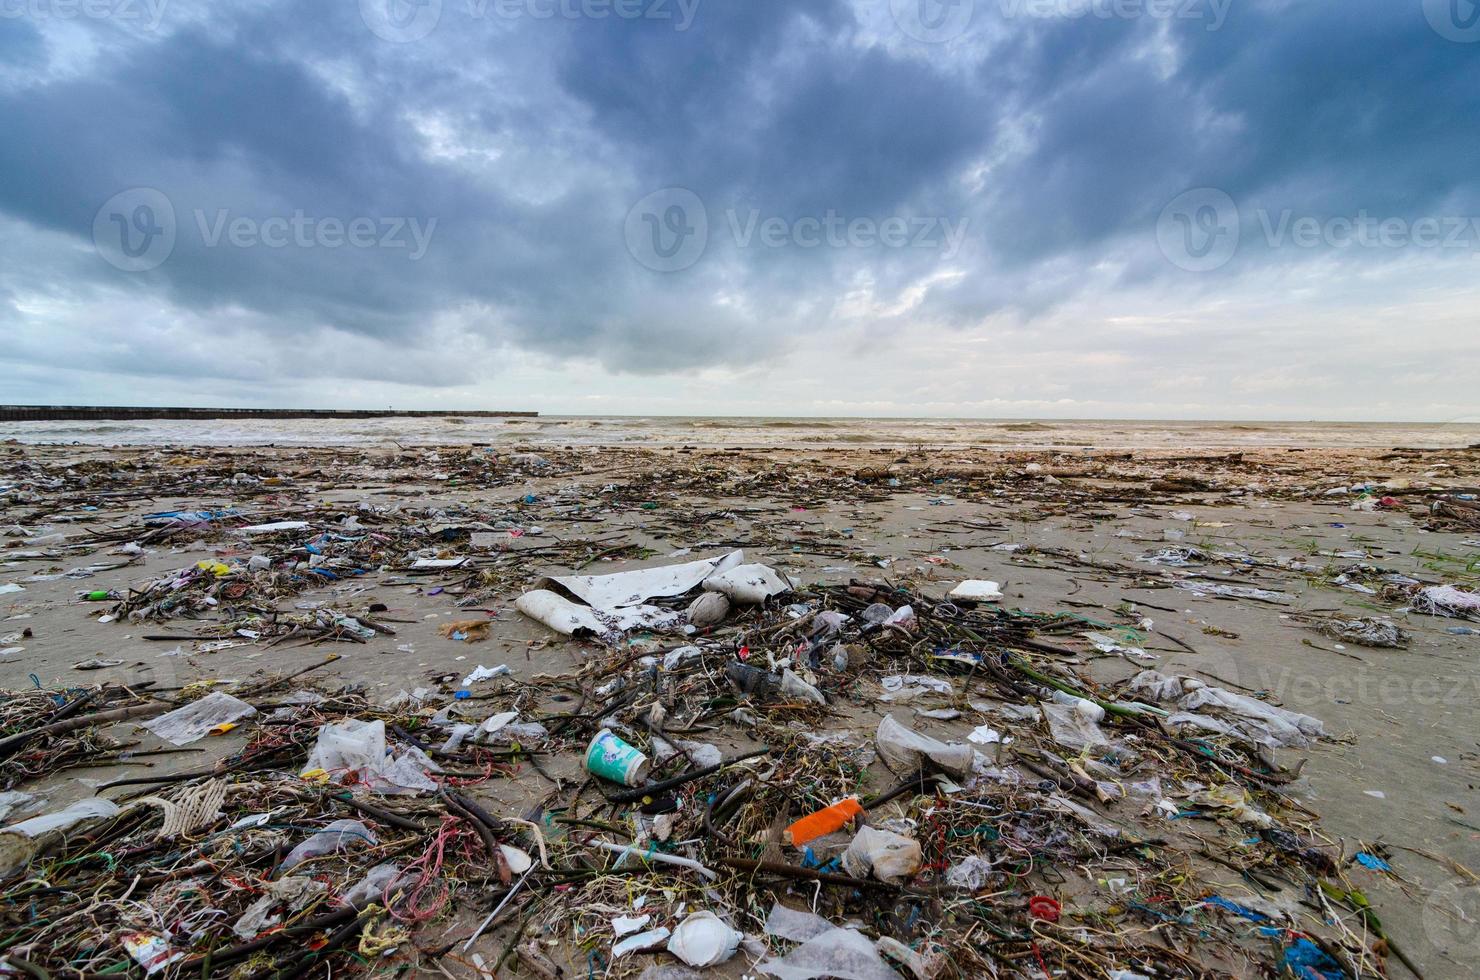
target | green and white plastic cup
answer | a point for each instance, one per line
(611, 758)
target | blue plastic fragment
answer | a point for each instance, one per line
(1235, 908)
(1372, 862)
(1307, 961)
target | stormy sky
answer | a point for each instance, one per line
(999, 208)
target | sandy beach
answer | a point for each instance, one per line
(1228, 557)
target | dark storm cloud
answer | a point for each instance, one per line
(1056, 142)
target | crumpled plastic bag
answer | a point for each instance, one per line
(355, 751)
(888, 856)
(1233, 801)
(1253, 720)
(908, 687)
(903, 749)
(1074, 723)
(971, 873)
(337, 836)
(371, 888)
(1283, 728)
(1446, 600)
(798, 927)
(294, 892)
(840, 953)
(701, 754)
(195, 720)
(793, 685)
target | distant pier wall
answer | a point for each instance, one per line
(104, 413)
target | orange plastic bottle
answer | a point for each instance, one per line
(824, 821)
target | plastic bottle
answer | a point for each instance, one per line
(824, 821)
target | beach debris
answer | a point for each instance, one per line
(905, 749)
(976, 590)
(1367, 632)
(703, 940)
(706, 766)
(200, 718)
(748, 585)
(708, 609)
(1447, 600)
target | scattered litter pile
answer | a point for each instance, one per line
(892, 775)
(1077, 831)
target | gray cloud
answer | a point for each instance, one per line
(1054, 144)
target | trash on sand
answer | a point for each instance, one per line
(1447, 600)
(481, 673)
(292, 892)
(611, 758)
(337, 836)
(793, 685)
(466, 630)
(573, 619)
(354, 752)
(641, 941)
(976, 590)
(887, 856)
(90, 809)
(972, 873)
(1247, 717)
(798, 927)
(825, 821)
(704, 939)
(620, 590)
(12, 801)
(709, 609)
(841, 953)
(905, 749)
(1074, 722)
(199, 718)
(734, 763)
(1367, 632)
(748, 585)
(151, 952)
